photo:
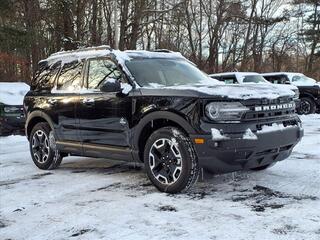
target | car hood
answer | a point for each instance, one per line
(234, 91)
(12, 93)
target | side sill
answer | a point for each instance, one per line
(95, 150)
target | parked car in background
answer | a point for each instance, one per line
(11, 107)
(251, 77)
(309, 89)
(157, 108)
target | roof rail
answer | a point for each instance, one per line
(102, 47)
(162, 50)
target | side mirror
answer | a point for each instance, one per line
(111, 85)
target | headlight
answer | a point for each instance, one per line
(225, 111)
(11, 109)
(296, 94)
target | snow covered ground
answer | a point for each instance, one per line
(100, 199)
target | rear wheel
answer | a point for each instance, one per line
(307, 106)
(170, 160)
(43, 147)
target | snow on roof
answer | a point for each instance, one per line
(155, 54)
(280, 73)
(104, 50)
(238, 74)
(77, 55)
(12, 93)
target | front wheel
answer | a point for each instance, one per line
(43, 148)
(170, 160)
(307, 106)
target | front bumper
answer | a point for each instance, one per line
(237, 153)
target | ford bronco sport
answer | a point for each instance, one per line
(158, 108)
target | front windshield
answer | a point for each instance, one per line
(166, 73)
(254, 79)
(302, 79)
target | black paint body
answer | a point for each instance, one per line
(116, 125)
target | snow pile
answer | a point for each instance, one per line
(126, 88)
(12, 93)
(273, 128)
(249, 135)
(216, 135)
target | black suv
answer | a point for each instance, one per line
(157, 108)
(309, 89)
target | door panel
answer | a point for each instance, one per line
(104, 118)
(64, 100)
(64, 108)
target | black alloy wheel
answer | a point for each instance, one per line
(43, 149)
(307, 106)
(170, 160)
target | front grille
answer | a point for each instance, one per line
(266, 111)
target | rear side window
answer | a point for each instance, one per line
(70, 76)
(45, 76)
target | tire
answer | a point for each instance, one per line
(263, 167)
(307, 106)
(170, 160)
(42, 147)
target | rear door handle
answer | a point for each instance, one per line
(88, 101)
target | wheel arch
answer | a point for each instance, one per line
(35, 118)
(308, 95)
(154, 121)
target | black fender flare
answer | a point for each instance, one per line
(184, 124)
(36, 114)
(309, 95)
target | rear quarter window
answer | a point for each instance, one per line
(45, 76)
